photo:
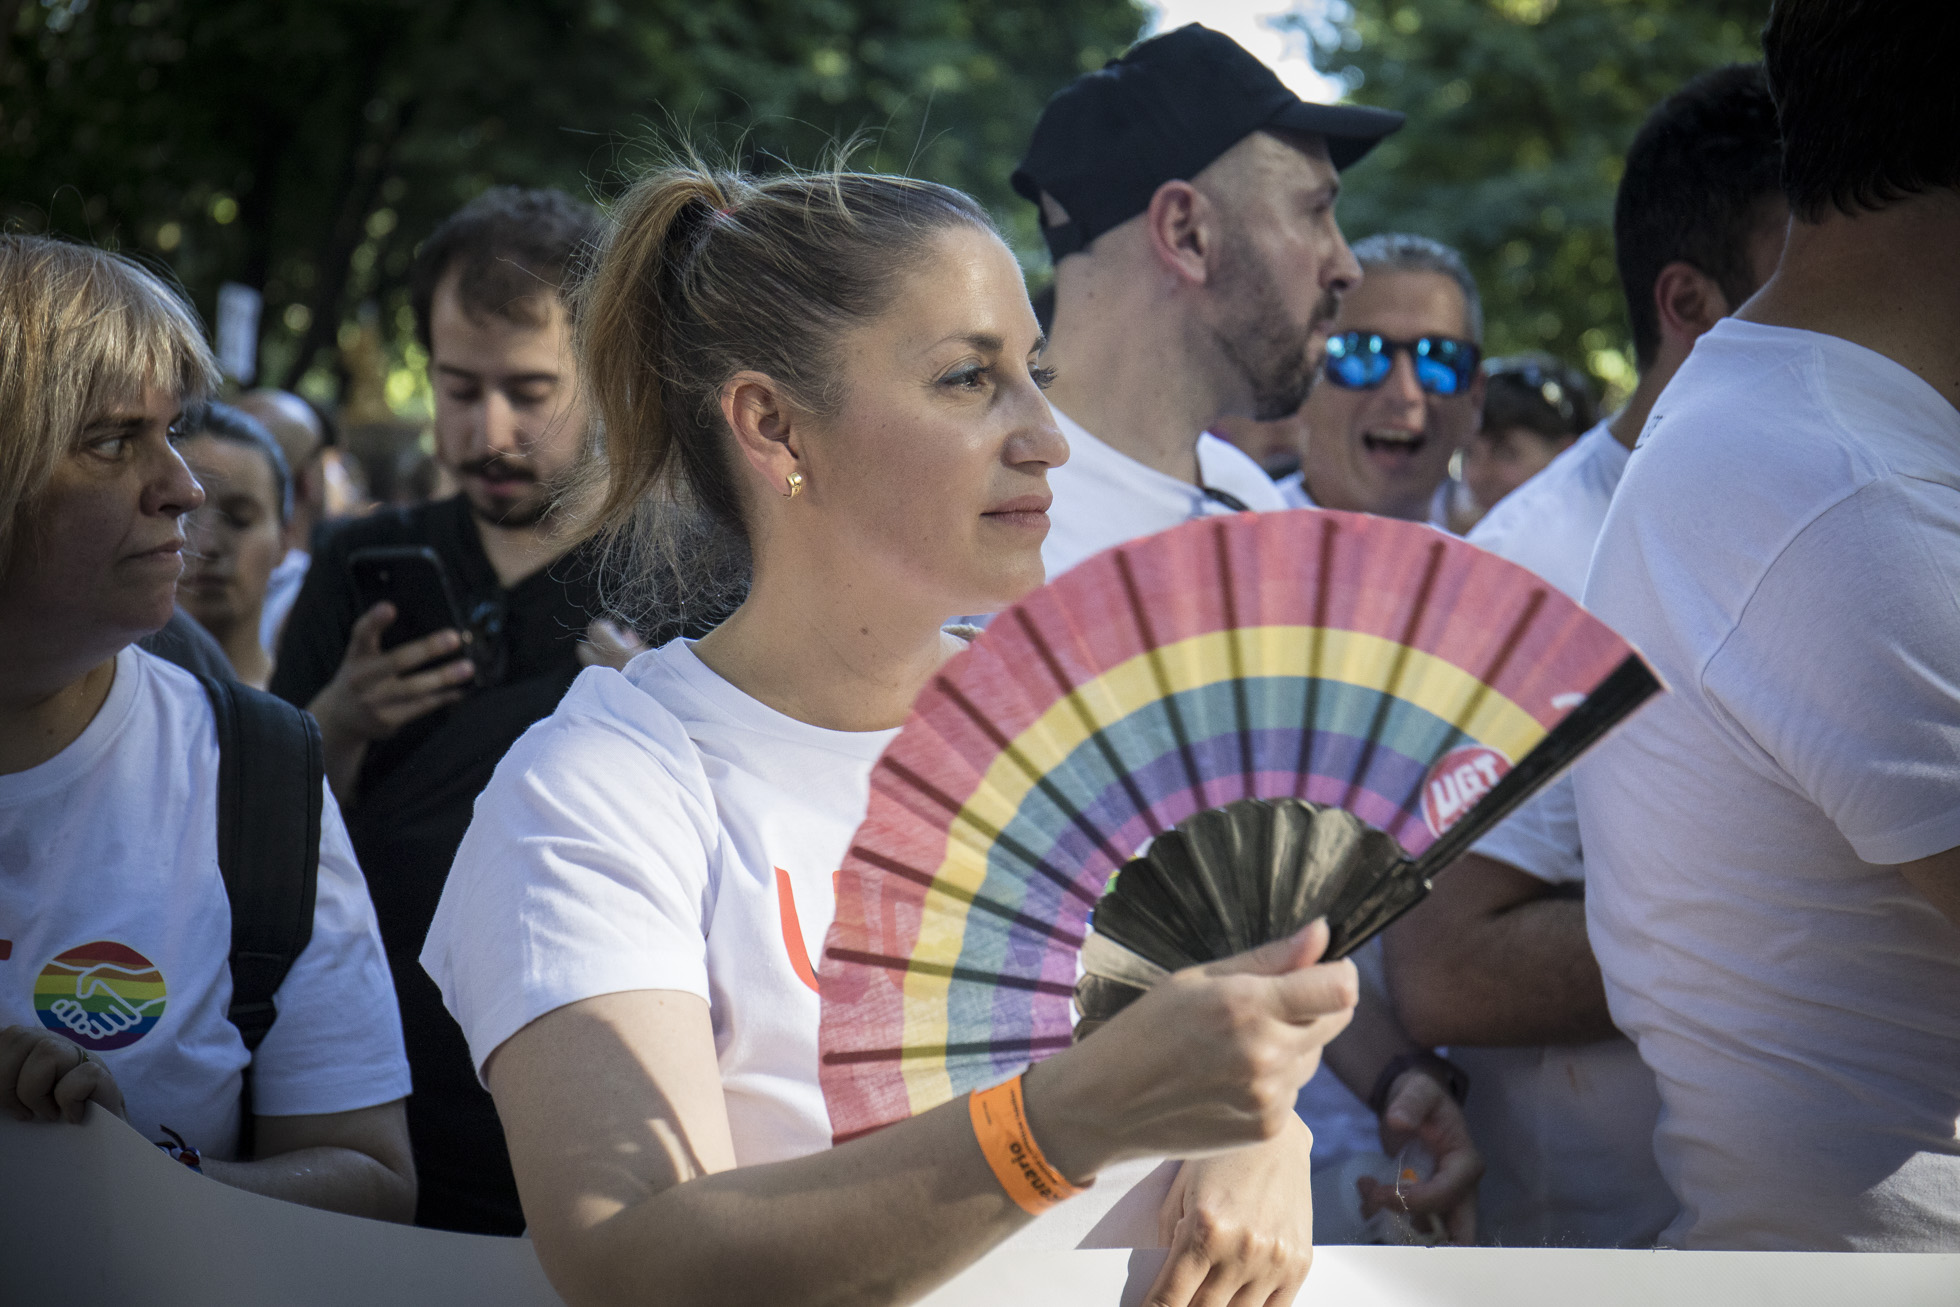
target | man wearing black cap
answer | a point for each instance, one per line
(1188, 199)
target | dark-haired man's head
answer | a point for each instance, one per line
(1699, 219)
(489, 290)
(1865, 103)
(1534, 407)
(1865, 100)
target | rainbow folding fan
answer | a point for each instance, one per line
(1257, 719)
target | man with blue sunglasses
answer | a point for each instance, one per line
(1401, 391)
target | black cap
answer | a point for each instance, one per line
(1164, 111)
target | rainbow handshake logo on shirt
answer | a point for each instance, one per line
(102, 995)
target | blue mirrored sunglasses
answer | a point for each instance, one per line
(1362, 360)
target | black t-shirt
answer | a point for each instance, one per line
(412, 804)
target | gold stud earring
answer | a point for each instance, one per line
(795, 485)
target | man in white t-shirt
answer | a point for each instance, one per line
(1188, 199)
(1495, 963)
(1773, 849)
(1401, 392)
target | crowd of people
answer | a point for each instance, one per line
(460, 861)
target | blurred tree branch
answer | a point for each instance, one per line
(303, 147)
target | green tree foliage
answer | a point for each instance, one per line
(304, 146)
(1520, 112)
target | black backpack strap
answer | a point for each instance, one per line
(271, 769)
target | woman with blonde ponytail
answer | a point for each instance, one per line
(822, 407)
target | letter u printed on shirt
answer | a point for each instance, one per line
(793, 942)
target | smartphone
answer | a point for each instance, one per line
(413, 579)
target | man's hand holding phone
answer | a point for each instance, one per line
(376, 692)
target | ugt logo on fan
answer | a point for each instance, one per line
(1459, 778)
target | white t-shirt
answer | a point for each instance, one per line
(1785, 549)
(1551, 522)
(663, 830)
(1550, 525)
(1567, 1129)
(118, 929)
(1104, 497)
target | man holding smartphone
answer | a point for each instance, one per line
(502, 622)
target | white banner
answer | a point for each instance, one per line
(95, 1214)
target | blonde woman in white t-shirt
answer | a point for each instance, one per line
(115, 976)
(842, 371)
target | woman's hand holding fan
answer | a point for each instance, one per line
(1249, 1034)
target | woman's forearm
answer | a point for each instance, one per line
(613, 1107)
(336, 1179)
(882, 1219)
(1369, 1043)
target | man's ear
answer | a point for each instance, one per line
(1688, 301)
(1182, 224)
(764, 422)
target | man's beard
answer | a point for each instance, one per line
(526, 510)
(1270, 351)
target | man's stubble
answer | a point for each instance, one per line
(1273, 354)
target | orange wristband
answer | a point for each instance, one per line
(1000, 1123)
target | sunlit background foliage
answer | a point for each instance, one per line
(303, 147)
(1520, 112)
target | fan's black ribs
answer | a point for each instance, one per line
(1391, 691)
(934, 885)
(1194, 779)
(1241, 710)
(1310, 715)
(977, 1048)
(946, 971)
(1012, 751)
(999, 837)
(1089, 723)
(1459, 729)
